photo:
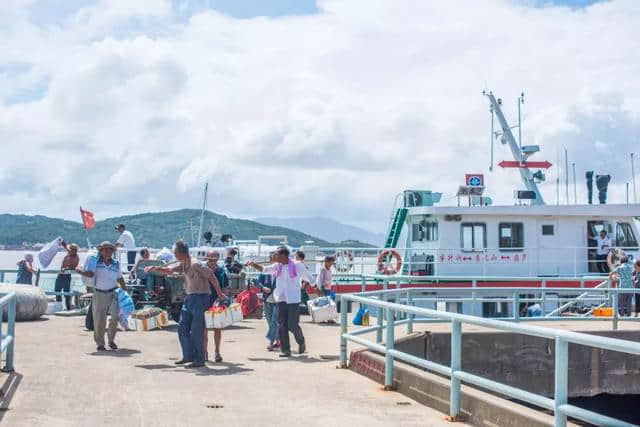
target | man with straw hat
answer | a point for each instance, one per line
(107, 276)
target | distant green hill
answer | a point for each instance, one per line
(150, 229)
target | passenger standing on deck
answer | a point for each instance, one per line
(212, 263)
(267, 283)
(191, 327)
(288, 274)
(622, 273)
(602, 251)
(108, 276)
(127, 242)
(63, 280)
(324, 281)
(25, 270)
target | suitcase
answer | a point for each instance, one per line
(322, 309)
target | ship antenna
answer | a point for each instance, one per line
(575, 188)
(566, 173)
(520, 102)
(528, 178)
(204, 207)
(557, 176)
(633, 179)
(492, 138)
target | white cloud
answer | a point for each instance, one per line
(327, 114)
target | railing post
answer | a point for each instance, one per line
(388, 358)
(544, 297)
(456, 365)
(343, 330)
(614, 307)
(363, 286)
(516, 306)
(474, 295)
(411, 315)
(379, 312)
(11, 331)
(1, 276)
(561, 380)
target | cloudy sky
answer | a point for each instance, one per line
(302, 107)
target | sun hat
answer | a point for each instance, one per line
(106, 245)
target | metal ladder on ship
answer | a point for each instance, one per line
(395, 228)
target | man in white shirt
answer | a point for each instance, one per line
(288, 274)
(603, 243)
(127, 242)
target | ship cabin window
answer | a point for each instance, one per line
(473, 236)
(548, 230)
(511, 236)
(424, 231)
(625, 237)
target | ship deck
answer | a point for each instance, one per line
(60, 380)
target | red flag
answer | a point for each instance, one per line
(87, 219)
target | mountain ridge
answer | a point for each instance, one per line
(152, 229)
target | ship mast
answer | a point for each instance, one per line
(204, 207)
(525, 173)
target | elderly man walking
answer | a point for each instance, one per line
(191, 327)
(288, 274)
(212, 263)
(107, 274)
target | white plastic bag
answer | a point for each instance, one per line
(90, 265)
(49, 251)
(54, 307)
(165, 255)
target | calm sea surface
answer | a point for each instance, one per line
(8, 260)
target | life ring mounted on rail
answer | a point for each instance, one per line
(344, 260)
(385, 262)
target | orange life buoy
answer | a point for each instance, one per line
(385, 264)
(344, 261)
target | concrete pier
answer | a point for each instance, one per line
(61, 381)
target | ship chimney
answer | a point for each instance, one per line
(602, 182)
(589, 177)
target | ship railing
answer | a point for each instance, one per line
(8, 337)
(388, 323)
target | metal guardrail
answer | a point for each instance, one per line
(7, 340)
(559, 404)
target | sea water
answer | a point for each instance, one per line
(9, 259)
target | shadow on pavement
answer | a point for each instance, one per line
(121, 352)
(210, 369)
(294, 358)
(7, 392)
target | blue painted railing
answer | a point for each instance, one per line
(559, 404)
(7, 340)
